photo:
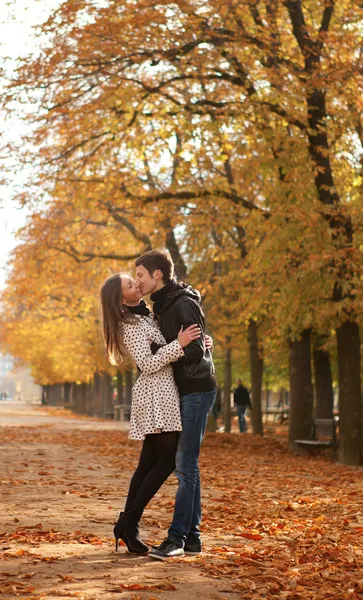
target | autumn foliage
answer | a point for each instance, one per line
(231, 134)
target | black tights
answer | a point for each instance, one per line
(156, 463)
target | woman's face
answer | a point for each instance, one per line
(130, 289)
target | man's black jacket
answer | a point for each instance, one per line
(194, 372)
(242, 397)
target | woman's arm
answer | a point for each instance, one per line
(136, 342)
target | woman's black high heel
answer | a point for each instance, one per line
(130, 535)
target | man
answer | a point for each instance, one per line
(242, 402)
(177, 305)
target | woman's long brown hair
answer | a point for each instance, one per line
(114, 315)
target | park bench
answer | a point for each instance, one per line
(323, 435)
(281, 415)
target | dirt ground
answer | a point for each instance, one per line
(275, 526)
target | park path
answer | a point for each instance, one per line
(275, 526)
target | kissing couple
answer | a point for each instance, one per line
(171, 398)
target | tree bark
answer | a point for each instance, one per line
(172, 245)
(256, 365)
(324, 396)
(83, 398)
(55, 395)
(350, 400)
(77, 398)
(120, 388)
(128, 385)
(67, 386)
(301, 390)
(106, 396)
(97, 399)
(45, 393)
(227, 386)
(86, 397)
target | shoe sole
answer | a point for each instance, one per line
(186, 552)
(127, 551)
(158, 557)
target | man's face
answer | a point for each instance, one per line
(146, 282)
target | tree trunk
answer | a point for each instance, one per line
(350, 400)
(45, 392)
(97, 397)
(120, 388)
(324, 396)
(77, 399)
(67, 393)
(128, 385)
(88, 398)
(180, 268)
(301, 390)
(55, 395)
(256, 365)
(107, 393)
(227, 386)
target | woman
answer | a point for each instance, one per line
(129, 330)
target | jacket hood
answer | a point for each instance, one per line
(181, 289)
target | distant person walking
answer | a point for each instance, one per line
(242, 402)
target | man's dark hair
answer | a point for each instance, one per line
(157, 260)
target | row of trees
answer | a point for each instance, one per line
(231, 134)
(103, 396)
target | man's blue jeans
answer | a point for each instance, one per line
(188, 510)
(241, 418)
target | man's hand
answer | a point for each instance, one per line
(209, 343)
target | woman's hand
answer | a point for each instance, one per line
(189, 335)
(209, 343)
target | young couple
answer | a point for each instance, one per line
(171, 398)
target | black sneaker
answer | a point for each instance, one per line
(161, 546)
(167, 549)
(193, 546)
